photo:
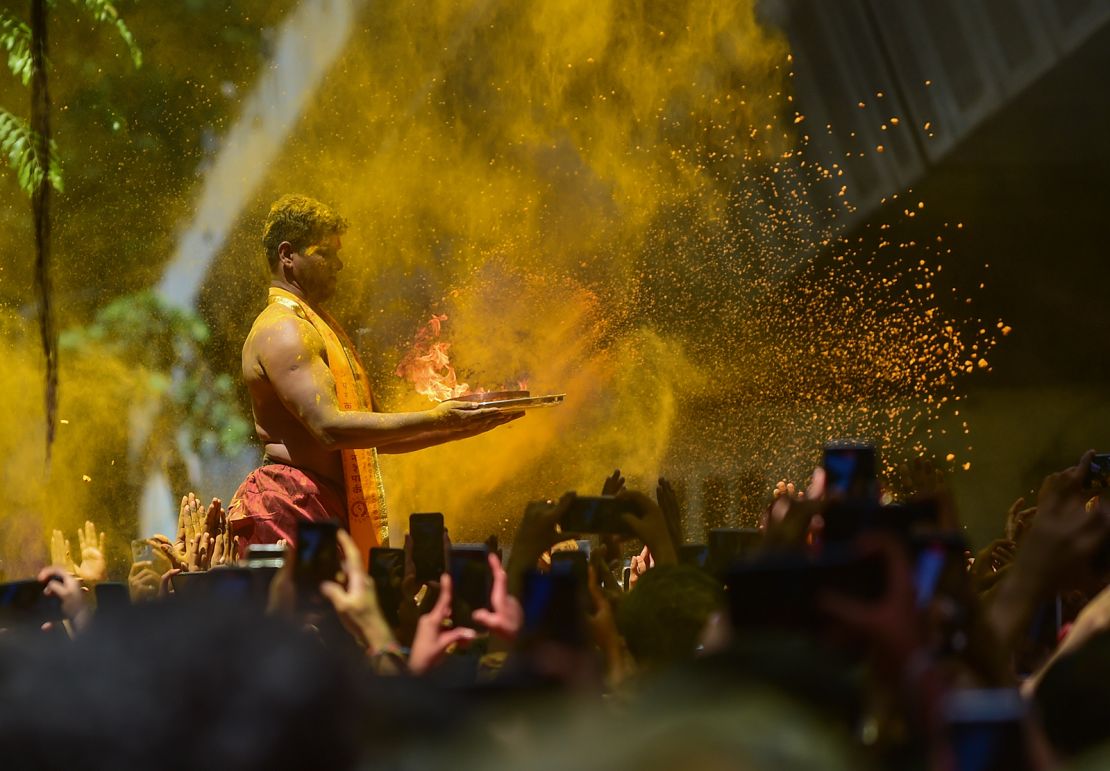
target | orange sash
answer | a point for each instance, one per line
(368, 523)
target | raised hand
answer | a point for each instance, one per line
(614, 483)
(1019, 518)
(94, 567)
(603, 626)
(432, 638)
(59, 552)
(991, 564)
(1056, 554)
(64, 586)
(507, 616)
(668, 501)
(638, 565)
(357, 602)
(536, 533)
(651, 526)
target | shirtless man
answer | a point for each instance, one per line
(313, 409)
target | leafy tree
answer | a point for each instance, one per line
(33, 155)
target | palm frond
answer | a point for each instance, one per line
(17, 142)
(103, 11)
(15, 37)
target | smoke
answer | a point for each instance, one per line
(616, 201)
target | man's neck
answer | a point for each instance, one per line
(293, 289)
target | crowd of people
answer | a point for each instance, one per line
(845, 632)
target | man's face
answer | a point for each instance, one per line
(316, 268)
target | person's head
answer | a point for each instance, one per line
(1072, 699)
(662, 618)
(301, 238)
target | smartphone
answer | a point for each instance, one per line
(575, 563)
(143, 550)
(986, 729)
(427, 546)
(696, 554)
(626, 577)
(317, 556)
(1098, 473)
(387, 570)
(553, 609)
(603, 514)
(783, 590)
(727, 544)
(938, 561)
(23, 603)
(236, 585)
(850, 472)
(471, 583)
(112, 597)
(844, 520)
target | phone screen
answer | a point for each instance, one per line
(553, 609)
(986, 729)
(24, 603)
(427, 546)
(850, 472)
(387, 569)
(1098, 473)
(471, 583)
(111, 597)
(317, 555)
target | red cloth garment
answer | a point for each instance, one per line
(275, 497)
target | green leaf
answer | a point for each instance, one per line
(103, 11)
(15, 37)
(20, 144)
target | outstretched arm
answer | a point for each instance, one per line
(291, 354)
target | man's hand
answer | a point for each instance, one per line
(507, 617)
(59, 551)
(890, 624)
(1071, 524)
(64, 586)
(357, 602)
(536, 533)
(433, 636)
(991, 564)
(1057, 552)
(143, 582)
(1019, 519)
(667, 499)
(651, 526)
(638, 565)
(93, 568)
(467, 418)
(613, 484)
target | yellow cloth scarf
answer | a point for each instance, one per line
(368, 523)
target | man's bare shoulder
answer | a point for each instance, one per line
(279, 336)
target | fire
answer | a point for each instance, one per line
(427, 365)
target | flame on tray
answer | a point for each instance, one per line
(427, 365)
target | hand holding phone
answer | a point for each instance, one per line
(317, 556)
(471, 583)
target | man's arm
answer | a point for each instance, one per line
(291, 353)
(441, 436)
